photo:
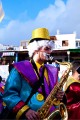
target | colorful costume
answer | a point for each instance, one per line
(73, 98)
(1, 93)
(19, 85)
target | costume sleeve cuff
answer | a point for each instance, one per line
(18, 106)
(21, 111)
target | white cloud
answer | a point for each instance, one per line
(65, 17)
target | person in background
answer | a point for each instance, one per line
(4, 62)
(1, 93)
(26, 78)
(72, 90)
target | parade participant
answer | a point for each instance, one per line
(1, 93)
(27, 75)
(72, 89)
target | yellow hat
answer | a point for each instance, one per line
(41, 33)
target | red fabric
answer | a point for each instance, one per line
(73, 101)
(1, 90)
(18, 106)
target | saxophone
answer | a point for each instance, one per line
(44, 110)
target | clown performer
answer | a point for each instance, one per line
(24, 79)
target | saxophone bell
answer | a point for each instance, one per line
(59, 114)
(63, 111)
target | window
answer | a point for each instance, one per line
(65, 43)
(77, 43)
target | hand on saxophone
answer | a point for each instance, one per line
(32, 115)
(59, 95)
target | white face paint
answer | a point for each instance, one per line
(46, 55)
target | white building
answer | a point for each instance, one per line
(8, 47)
(67, 41)
(64, 41)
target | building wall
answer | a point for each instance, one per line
(62, 41)
(69, 39)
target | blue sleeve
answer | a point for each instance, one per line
(12, 89)
(17, 89)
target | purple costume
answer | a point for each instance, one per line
(31, 77)
(21, 81)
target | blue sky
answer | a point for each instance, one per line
(22, 16)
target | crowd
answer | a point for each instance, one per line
(31, 82)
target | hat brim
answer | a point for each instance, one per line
(37, 39)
